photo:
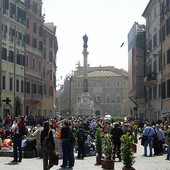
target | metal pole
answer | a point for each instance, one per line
(160, 24)
(1, 58)
(15, 57)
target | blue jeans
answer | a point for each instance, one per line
(67, 153)
(148, 142)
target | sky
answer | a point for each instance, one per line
(106, 23)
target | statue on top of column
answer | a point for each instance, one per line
(85, 39)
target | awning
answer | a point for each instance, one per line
(167, 114)
(129, 103)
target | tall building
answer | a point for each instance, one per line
(157, 80)
(26, 41)
(136, 58)
(49, 70)
(107, 87)
(13, 16)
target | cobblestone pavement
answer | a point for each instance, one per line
(141, 163)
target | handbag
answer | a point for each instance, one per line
(72, 137)
(144, 138)
(53, 159)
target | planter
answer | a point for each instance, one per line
(98, 160)
(125, 168)
(134, 147)
(107, 164)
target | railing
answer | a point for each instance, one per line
(33, 72)
(33, 97)
(150, 79)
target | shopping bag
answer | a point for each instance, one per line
(54, 157)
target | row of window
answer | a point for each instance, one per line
(107, 84)
(21, 39)
(34, 7)
(159, 91)
(15, 11)
(108, 99)
(159, 10)
(159, 63)
(20, 59)
(163, 32)
(21, 13)
(36, 89)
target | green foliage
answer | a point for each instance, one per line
(116, 119)
(127, 154)
(107, 147)
(99, 136)
(135, 128)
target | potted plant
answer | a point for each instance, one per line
(127, 154)
(98, 142)
(107, 149)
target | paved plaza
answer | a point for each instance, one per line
(141, 163)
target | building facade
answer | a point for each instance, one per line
(107, 89)
(157, 62)
(22, 61)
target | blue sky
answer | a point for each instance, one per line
(106, 23)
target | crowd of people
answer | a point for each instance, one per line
(71, 135)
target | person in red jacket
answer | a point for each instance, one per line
(8, 122)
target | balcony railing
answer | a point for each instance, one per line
(150, 79)
(32, 72)
(33, 97)
(36, 97)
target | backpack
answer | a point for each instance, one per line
(48, 145)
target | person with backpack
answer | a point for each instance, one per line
(19, 131)
(47, 144)
(81, 136)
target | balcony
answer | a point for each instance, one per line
(33, 97)
(36, 97)
(31, 72)
(27, 96)
(150, 79)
